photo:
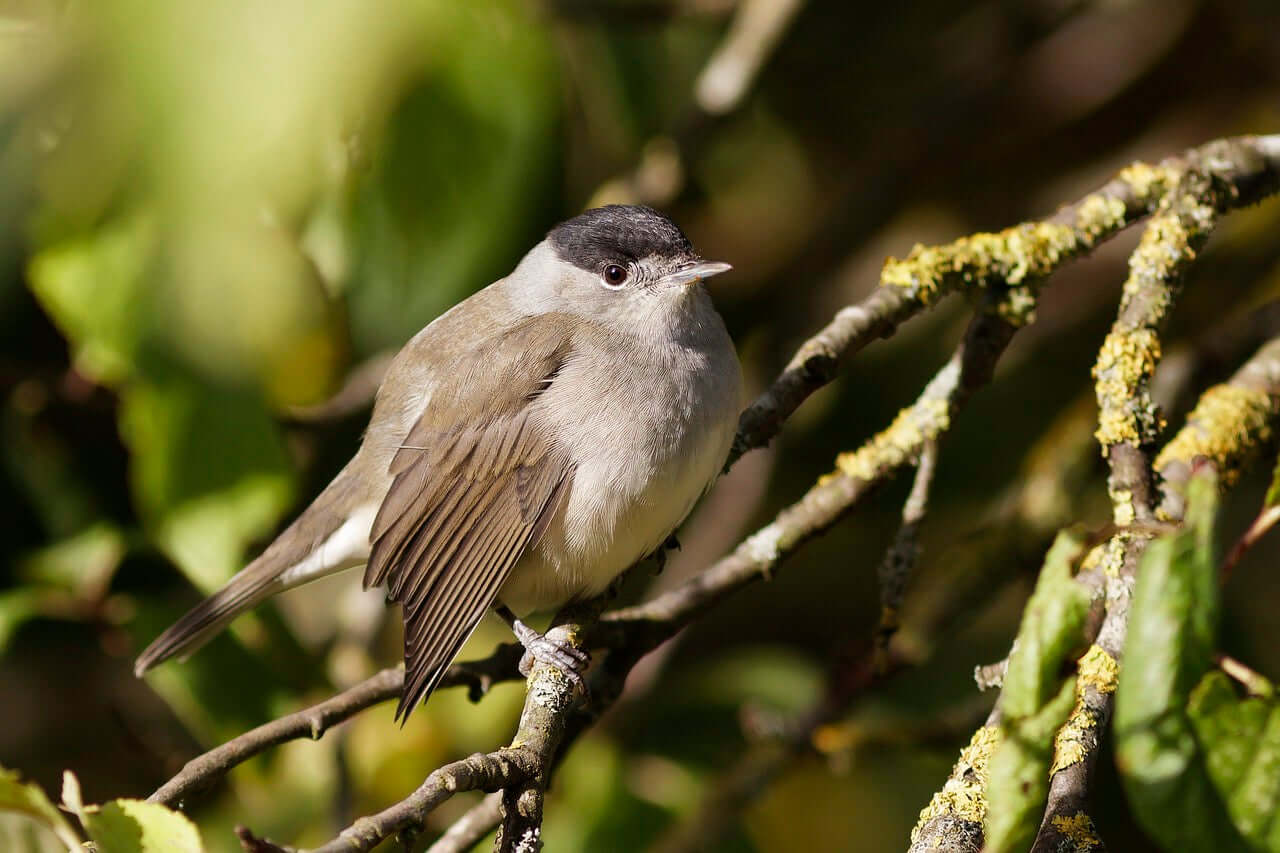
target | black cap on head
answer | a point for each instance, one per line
(617, 232)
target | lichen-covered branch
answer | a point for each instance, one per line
(1192, 190)
(750, 776)
(1129, 424)
(1128, 420)
(1229, 424)
(1010, 266)
(953, 819)
(1244, 168)
(644, 626)
(515, 770)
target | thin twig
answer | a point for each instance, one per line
(202, 771)
(757, 27)
(467, 831)
(976, 357)
(480, 772)
(900, 559)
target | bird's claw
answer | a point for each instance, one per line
(660, 556)
(540, 649)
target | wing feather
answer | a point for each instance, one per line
(468, 497)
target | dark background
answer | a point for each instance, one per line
(212, 214)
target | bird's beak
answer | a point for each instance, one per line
(694, 271)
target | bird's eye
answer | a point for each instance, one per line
(614, 275)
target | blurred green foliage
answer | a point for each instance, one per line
(1035, 700)
(212, 214)
(1199, 760)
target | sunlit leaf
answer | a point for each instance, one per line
(1020, 773)
(459, 186)
(131, 826)
(93, 287)
(134, 826)
(1035, 700)
(1241, 742)
(1273, 491)
(80, 563)
(1051, 628)
(1168, 649)
(17, 606)
(209, 471)
(28, 799)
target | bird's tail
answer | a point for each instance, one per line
(330, 535)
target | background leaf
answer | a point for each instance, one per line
(134, 826)
(1168, 649)
(1035, 700)
(28, 799)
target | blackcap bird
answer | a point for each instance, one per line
(525, 447)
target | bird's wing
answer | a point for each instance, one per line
(475, 483)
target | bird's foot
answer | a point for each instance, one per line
(538, 648)
(660, 555)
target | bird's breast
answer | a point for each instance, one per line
(646, 433)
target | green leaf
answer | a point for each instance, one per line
(1035, 701)
(1020, 774)
(459, 187)
(135, 826)
(210, 473)
(1051, 628)
(93, 287)
(1168, 649)
(28, 799)
(131, 826)
(80, 563)
(1241, 741)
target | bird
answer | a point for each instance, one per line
(524, 449)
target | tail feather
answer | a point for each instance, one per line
(243, 592)
(330, 535)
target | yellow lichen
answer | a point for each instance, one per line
(1078, 828)
(1068, 744)
(1015, 255)
(1099, 215)
(1125, 364)
(1093, 558)
(1113, 555)
(1098, 669)
(964, 795)
(1122, 501)
(1227, 423)
(894, 446)
(1148, 182)
(1165, 245)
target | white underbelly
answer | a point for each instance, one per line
(615, 514)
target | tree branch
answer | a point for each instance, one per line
(466, 831)
(1009, 265)
(1236, 432)
(204, 770)
(750, 777)
(1248, 167)
(1194, 188)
